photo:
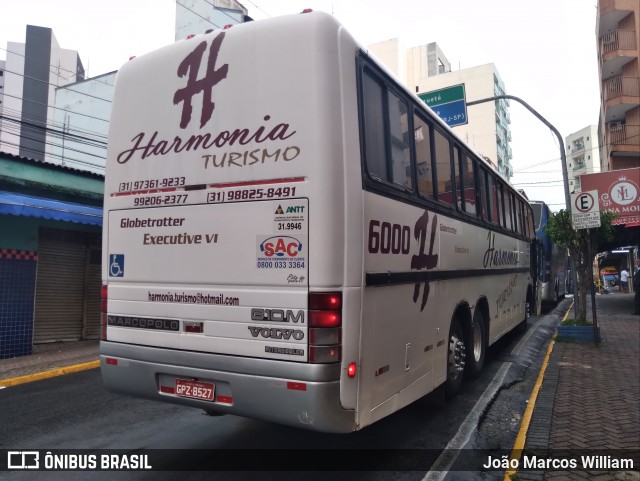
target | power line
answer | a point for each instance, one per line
(259, 8)
(221, 10)
(94, 79)
(197, 14)
(49, 129)
(54, 156)
(53, 85)
(20, 114)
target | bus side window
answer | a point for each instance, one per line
(495, 200)
(422, 138)
(484, 198)
(458, 178)
(443, 167)
(399, 142)
(468, 185)
(374, 137)
(507, 209)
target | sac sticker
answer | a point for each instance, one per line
(281, 252)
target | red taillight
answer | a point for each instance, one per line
(325, 300)
(103, 312)
(190, 36)
(325, 327)
(307, 10)
(351, 370)
(226, 27)
(325, 319)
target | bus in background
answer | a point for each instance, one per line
(292, 235)
(552, 270)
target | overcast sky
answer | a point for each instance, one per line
(545, 52)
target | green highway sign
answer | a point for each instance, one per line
(448, 103)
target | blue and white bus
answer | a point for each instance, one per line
(552, 259)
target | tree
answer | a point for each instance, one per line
(580, 243)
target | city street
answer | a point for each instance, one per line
(75, 412)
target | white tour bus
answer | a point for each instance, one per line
(293, 236)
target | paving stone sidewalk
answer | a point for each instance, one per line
(46, 357)
(590, 398)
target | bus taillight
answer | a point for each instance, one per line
(103, 312)
(325, 327)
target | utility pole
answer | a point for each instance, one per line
(565, 174)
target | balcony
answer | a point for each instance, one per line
(617, 48)
(624, 138)
(612, 12)
(620, 95)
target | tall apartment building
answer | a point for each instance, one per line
(425, 68)
(618, 39)
(32, 71)
(583, 155)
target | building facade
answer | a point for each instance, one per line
(618, 41)
(195, 17)
(583, 155)
(32, 71)
(50, 254)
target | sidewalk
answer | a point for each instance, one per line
(589, 402)
(49, 360)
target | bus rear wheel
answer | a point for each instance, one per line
(476, 345)
(456, 356)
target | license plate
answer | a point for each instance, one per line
(195, 389)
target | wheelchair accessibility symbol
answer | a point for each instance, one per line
(116, 265)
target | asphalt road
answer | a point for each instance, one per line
(76, 412)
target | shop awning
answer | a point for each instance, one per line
(29, 206)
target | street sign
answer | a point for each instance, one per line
(448, 103)
(585, 210)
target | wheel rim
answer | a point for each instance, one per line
(457, 354)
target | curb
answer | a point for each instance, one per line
(47, 374)
(521, 438)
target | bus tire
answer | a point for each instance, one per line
(476, 345)
(456, 354)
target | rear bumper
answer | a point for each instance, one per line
(295, 394)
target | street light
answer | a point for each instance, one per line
(565, 174)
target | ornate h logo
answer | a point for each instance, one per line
(191, 64)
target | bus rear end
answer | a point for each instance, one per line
(223, 289)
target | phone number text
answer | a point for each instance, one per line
(151, 184)
(170, 199)
(251, 194)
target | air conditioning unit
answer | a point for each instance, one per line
(615, 126)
